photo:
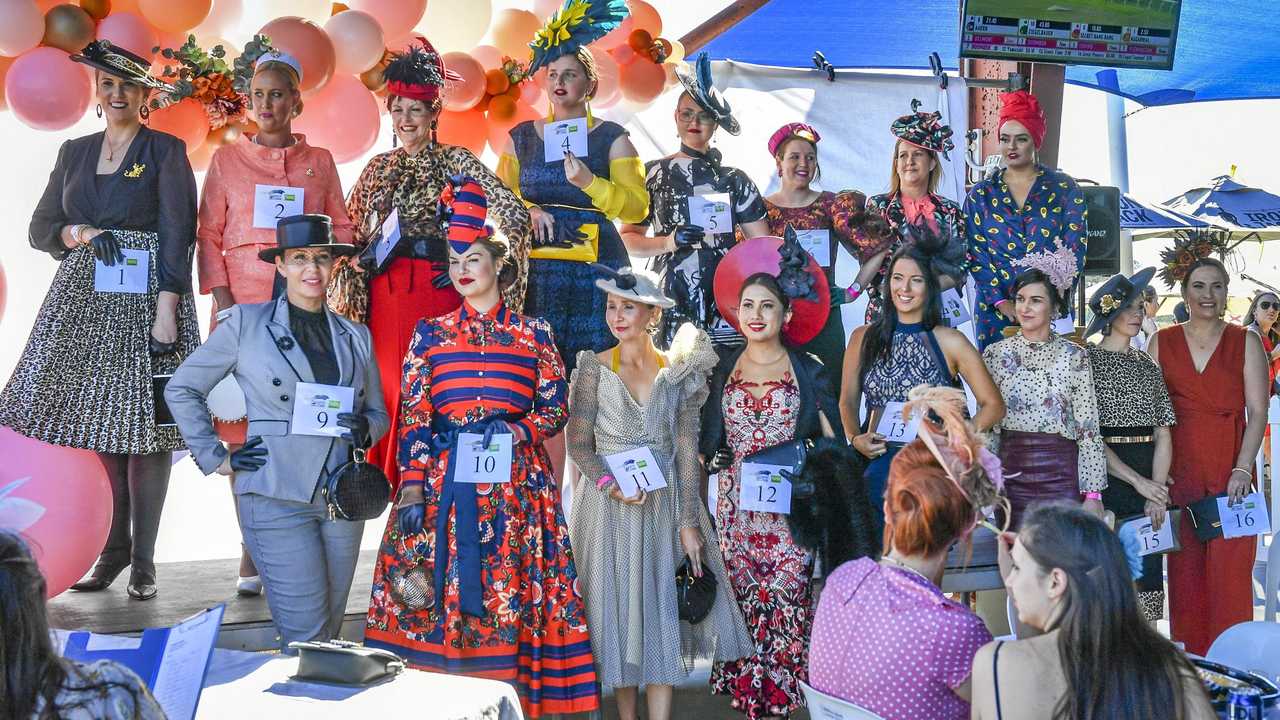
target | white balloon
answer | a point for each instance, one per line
(455, 24)
(261, 12)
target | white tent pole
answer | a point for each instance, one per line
(1118, 142)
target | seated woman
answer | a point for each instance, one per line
(1097, 658)
(34, 681)
(885, 637)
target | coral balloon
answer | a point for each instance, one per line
(467, 129)
(456, 24)
(639, 40)
(607, 77)
(357, 41)
(5, 64)
(496, 82)
(21, 26)
(185, 120)
(623, 55)
(59, 499)
(645, 17)
(175, 15)
(501, 108)
(489, 57)
(129, 31)
(642, 81)
(465, 93)
(97, 9)
(546, 8)
(533, 94)
(500, 130)
(261, 12)
(512, 32)
(342, 118)
(396, 17)
(67, 27)
(307, 42)
(223, 19)
(46, 91)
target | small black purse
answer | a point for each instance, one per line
(792, 454)
(1205, 518)
(357, 490)
(694, 595)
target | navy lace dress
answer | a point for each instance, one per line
(564, 292)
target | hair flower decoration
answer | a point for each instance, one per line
(1059, 264)
(793, 273)
(1190, 246)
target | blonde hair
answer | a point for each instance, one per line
(288, 73)
(935, 175)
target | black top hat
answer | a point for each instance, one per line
(703, 91)
(115, 60)
(1114, 295)
(305, 231)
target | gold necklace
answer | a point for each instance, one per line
(111, 148)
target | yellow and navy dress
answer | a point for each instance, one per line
(504, 601)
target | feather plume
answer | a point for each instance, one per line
(1059, 264)
(959, 448)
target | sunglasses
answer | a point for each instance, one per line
(1268, 305)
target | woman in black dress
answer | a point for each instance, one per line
(119, 214)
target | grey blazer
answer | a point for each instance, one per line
(247, 344)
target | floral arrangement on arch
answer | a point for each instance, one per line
(206, 77)
(1190, 246)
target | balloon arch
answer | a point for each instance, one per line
(342, 49)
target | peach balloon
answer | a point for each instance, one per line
(59, 499)
(341, 117)
(645, 17)
(357, 41)
(489, 57)
(623, 55)
(21, 26)
(129, 31)
(468, 129)
(546, 8)
(396, 17)
(501, 108)
(642, 81)
(175, 15)
(307, 42)
(67, 27)
(607, 90)
(223, 19)
(465, 93)
(46, 91)
(185, 120)
(169, 40)
(456, 25)
(97, 9)
(500, 130)
(513, 30)
(533, 93)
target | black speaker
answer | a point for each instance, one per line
(1102, 228)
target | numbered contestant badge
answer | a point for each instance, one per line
(1151, 541)
(1245, 518)
(271, 203)
(711, 213)
(894, 428)
(636, 470)
(764, 489)
(817, 243)
(129, 276)
(316, 409)
(564, 136)
(954, 309)
(479, 463)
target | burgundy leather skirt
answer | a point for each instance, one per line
(1043, 466)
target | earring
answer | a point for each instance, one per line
(99, 110)
(144, 112)
(434, 123)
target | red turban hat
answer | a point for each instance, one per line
(1022, 106)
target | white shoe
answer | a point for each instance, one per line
(249, 586)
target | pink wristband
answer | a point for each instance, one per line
(1093, 495)
(604, 482)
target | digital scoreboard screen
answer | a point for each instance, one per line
(1137, 34)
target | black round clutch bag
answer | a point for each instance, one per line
(357, 490)
(694, 595)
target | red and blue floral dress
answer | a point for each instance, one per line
(507, 605)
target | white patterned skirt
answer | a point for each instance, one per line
(85, 377)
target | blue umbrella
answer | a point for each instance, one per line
(1233, 206)
(1138, 215)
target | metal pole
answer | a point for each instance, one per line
(1118, 144)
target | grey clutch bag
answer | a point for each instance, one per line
(344, 663)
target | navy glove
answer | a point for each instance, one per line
(358, 424)
(721, 460)
(409, 518)
(107, 248)
(689, 235)
(251, 456)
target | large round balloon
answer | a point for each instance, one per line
(175, 15)
(642, 80)
(513, 30)
(261, 12)
(201, 157)
(607, 90)
(463, 94)
(342, 117)
(129, 31)
(59, 499)
(223, 20)
(307, 42)
(357, 41)
(467, 129)
(457, 24)
(21, 26)
(185, 120)
(396, 17)
(761, 254)
(46, 90)
(500, 130)
(97, 9)
(67, 27)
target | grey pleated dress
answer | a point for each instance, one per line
(627, 555)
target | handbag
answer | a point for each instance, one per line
(791, 454)
(1205, 519)
(586, 250)
(344, 663)
(694, 595)
(357, 490)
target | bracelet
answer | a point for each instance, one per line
(605, 481)
(1092, 495)
(1240, 469)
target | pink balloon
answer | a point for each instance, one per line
(130, 32)
(533, 93)
(46, 90)
(21, 26)
(307, 42)
(512, 30)
(342, 118)
(357, 41)
(623, 55)
(500, 130)
(463, 94)
(396, 17)
(546, 8)
(185, 120)
(607, 90)
(175, 15)
(59, 499)
(489, 57)
(642, 81)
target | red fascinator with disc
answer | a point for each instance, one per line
(799, 275)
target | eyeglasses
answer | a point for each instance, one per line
(704, 117)
(1268, 305)
(301, 260)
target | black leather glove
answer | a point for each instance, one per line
(409, 518)
(161, 348)
(107, 248)
(358, 424)
(689, 235)
(565, 235)
(721, 460)
(251, 456)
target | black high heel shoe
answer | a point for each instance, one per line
(101, 578)
(142, 585)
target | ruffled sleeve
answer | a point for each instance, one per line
(623, 194)
(580, 432)
(693, 361)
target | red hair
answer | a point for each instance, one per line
(925, 511)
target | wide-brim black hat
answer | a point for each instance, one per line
(701, 88)
(115, 60)
(305, 231)
(1114, 295)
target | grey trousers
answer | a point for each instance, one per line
(306, 562)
